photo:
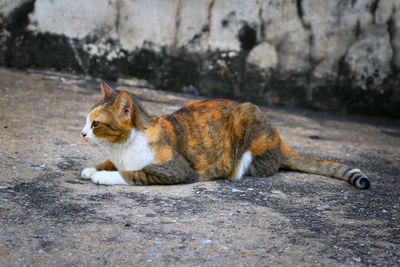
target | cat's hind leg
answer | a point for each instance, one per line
(255, 141)
(266, 164)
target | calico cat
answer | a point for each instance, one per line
(202, 141)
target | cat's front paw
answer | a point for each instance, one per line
(108, 178)
(87, 173)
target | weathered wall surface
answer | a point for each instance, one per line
(332, 55)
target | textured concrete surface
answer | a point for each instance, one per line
(48, 216)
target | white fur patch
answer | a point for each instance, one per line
(87, 173)
(88, 131)
(88, 125)
(244, 164)
(133, 155)
(108, 178)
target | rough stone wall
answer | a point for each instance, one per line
(331, 55)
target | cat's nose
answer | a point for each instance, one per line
(83, 134)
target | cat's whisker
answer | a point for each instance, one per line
(103, 145)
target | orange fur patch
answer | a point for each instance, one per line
(201, 165)
(97, 115)
(167, 126)
(163, 154)
(328, 163)
(106, 166)
(153, 133)
(287, 151)
(263, 144)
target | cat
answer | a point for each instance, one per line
(204, 140)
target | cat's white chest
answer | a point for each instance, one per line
(133, 155)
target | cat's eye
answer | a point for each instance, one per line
(95, 124)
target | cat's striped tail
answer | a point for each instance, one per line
(296, 162)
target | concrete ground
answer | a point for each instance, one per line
(51, 217)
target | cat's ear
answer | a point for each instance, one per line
(107, 92)
(124, 105)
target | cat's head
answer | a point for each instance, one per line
(112, 119)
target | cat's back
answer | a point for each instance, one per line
(202, 115)
(211, 106)
(202, 131)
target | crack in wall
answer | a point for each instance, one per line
(391, 30)
(77, 57)
(357, 30)
(118, 16)
(262, 24)
(308, 29)
(177, 23)
(209, 18)
(300, 14)
(373, 8)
